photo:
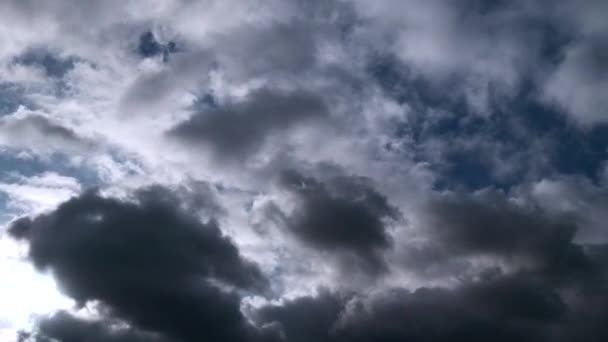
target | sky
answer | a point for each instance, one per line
(303, 170)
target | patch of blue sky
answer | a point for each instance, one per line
(15, 162)
(52, 64)
(11, 97)
(515, 125)
(6, 212)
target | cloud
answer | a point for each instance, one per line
(578, 83)
(490, 226)
(574, 197)
(525, 306)
(39, 192)
(343, 215)
(513, 309)
(150, 263)
(40, 134)
(239, 130)
(63, 326)
(304, 318)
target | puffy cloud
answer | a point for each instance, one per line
(149, 262)
(528, 305)
(40, 192)
(578, 83)
(63, 326)
(236, 131)
(304, 318)
(341, 215)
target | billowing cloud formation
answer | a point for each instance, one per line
(240, 129)
(63, 326)
(489, 224)
(147, 261)
(342, 215)
(503, 308)
(290, 170)
(552, 300)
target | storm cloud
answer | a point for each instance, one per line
(342, 215)
(150, 263)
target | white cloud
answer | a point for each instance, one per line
(40, 192)
(25, 292)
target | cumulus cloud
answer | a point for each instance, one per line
(537, 302)
(40, 192)
(500, 307)
(149, 262)
(305, 170)
(63, 326)
(342, 215)
(578, 84)
(236, 131)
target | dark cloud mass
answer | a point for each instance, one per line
(489, 223)
(305, 318)
(150, 263)
(63, 326)
(550, 289)
(239, 129)
(342, 215)
(522, 306)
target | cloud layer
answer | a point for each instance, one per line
(339, 170)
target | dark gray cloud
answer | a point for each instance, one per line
(489, 224)
(240, 129)
(305, 318)
(344, 214)
(63, 326)
(548, 287)
(522, 306)
(151, 263)
(502, 310)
